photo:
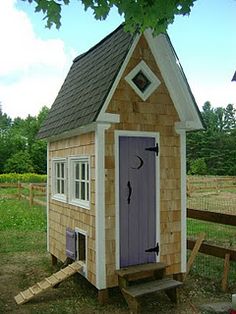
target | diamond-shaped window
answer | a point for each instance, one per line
(141, 81)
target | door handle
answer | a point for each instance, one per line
(130, 192)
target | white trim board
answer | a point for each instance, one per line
(183, 179)
(100, 205)
(85, 266)
(174, 78)
(117, 205)
(48, 184)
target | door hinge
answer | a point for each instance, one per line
(153, 149)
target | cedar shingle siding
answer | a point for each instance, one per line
(87, 84)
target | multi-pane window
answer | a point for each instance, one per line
(72, 185)
(79, 181)
(59, 179)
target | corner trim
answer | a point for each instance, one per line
(109, 118)
(48, 247)
(182, 134)
(185, 125)
(100, 205)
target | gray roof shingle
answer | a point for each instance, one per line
(234, 77)
(87, 85)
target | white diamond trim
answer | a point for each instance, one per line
(155, 82)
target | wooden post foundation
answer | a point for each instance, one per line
(103, 296)
(179, 277)
(54, 260)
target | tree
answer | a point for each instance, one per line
(19, 163)
(141, 14)
(230, 118)
(38, 155)
(215, 145)
(20, 135)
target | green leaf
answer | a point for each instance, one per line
(141, 14)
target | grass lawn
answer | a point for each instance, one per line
(24, 261)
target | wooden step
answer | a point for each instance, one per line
(48, 282)
(132, 293)
(151, 287)
(136, 272)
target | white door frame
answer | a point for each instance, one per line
(118, 134)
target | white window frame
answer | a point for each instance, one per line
(55, 195)
(84, 203)
(155, 82)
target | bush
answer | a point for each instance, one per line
(25, 177)
(198, 167)
(20, 162)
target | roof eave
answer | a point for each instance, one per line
(175, 80)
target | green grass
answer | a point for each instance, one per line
(22, 241)
(7, 191)
(18, 216)
(215, 233)
(210, 267)
(22, 228)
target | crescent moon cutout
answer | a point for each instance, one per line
(141, 163)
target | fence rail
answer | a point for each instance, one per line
(219, 218)
(212, 184)
(205, 215)
(32, 189)
(213, 250)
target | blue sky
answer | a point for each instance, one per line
(34, 60)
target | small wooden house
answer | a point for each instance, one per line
(116, 157)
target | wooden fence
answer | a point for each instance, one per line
(212, 249)
(35, 191)
(211, 184)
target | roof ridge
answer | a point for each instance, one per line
(99, 43)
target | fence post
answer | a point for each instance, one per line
(19, 190)
(224, 283)
(31, 196)
(194, 253)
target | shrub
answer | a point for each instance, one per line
(22, 177)
(20, 162)
(198, 167)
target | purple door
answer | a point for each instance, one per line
(137, 197)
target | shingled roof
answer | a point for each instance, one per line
(87, 85)
(234, 77)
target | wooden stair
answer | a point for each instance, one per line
(132, 287)
(48, 282)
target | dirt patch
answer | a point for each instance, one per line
(21, 270)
